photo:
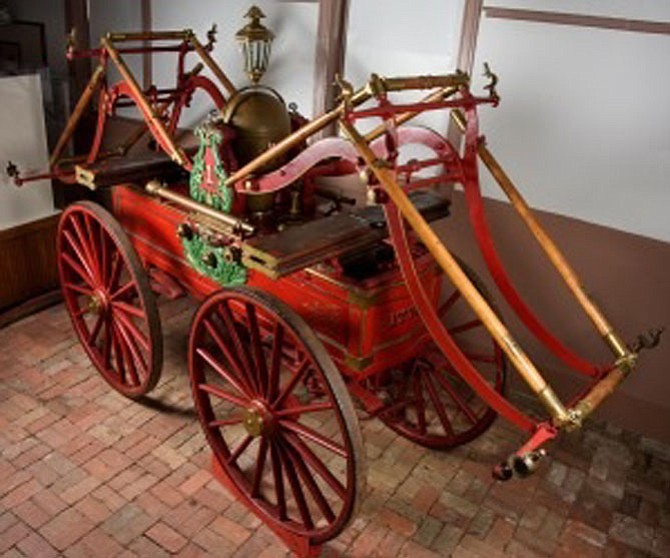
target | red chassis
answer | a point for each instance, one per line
(304, 311)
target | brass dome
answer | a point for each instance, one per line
(260, 119)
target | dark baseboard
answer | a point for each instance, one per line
(30, 307)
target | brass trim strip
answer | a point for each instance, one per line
(580, 20)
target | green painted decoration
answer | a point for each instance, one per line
(221, 270)
(218, 195)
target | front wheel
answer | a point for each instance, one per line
(276, 413)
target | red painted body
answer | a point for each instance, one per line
(367, 326)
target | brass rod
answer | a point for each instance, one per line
(460, 280)
(150, 36)
(156, 189)
(443, 93)
(77, 113)
(423, 82)
(137, 134)
(547, 244)
(212, 65)
(298, 137)
(175, 152)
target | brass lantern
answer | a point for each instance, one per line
(256, 42)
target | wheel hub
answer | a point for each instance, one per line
(257, 419)
(97, 303)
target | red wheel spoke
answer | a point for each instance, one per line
(456, 397)
(97, 326)
(311, 485)
(77, 269)
(278, 476)
(290, 386)
(225, 422)
(77, 288)
(303, 409)
(87, 243)
(275, 362)
(121, 291)
(221, 394)
(224, 374)
(259, 356)
(314, 436)
(419, 402)
(82, 249)
(228, 319)
(134, 331)
(118, 355)
(133, 348)
(239, 450)
(298, 494)
(260, 466)
(319, 467)
(133, 378)
(90, 236)
(438, 405)
(395, 407)
(129, 309)
(232, 360)
(104, 256)
(81, 255)
(465, 327)
(117, 265)
(447, 304)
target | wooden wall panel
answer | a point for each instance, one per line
(27, 261)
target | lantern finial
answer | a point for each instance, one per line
(256, 42)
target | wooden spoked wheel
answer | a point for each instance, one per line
(425, 399)
(276, 412)
(107, 295)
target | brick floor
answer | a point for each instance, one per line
(85, 472)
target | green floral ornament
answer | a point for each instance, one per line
(212, 262)
(210, 139)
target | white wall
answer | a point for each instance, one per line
(584, 122)
(291, 69)
(116, 16)
(23, 141)
(396, 38)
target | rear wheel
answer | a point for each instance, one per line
(107, 295)
(425, 399)
(276, 413)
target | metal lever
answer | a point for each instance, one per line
(647, 341)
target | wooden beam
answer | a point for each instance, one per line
(330, 52)
(77, 17)
(581, 20)
(472, 13)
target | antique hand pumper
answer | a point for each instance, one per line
(309, 297)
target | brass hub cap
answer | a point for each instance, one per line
(97, 303)
(256, 419)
